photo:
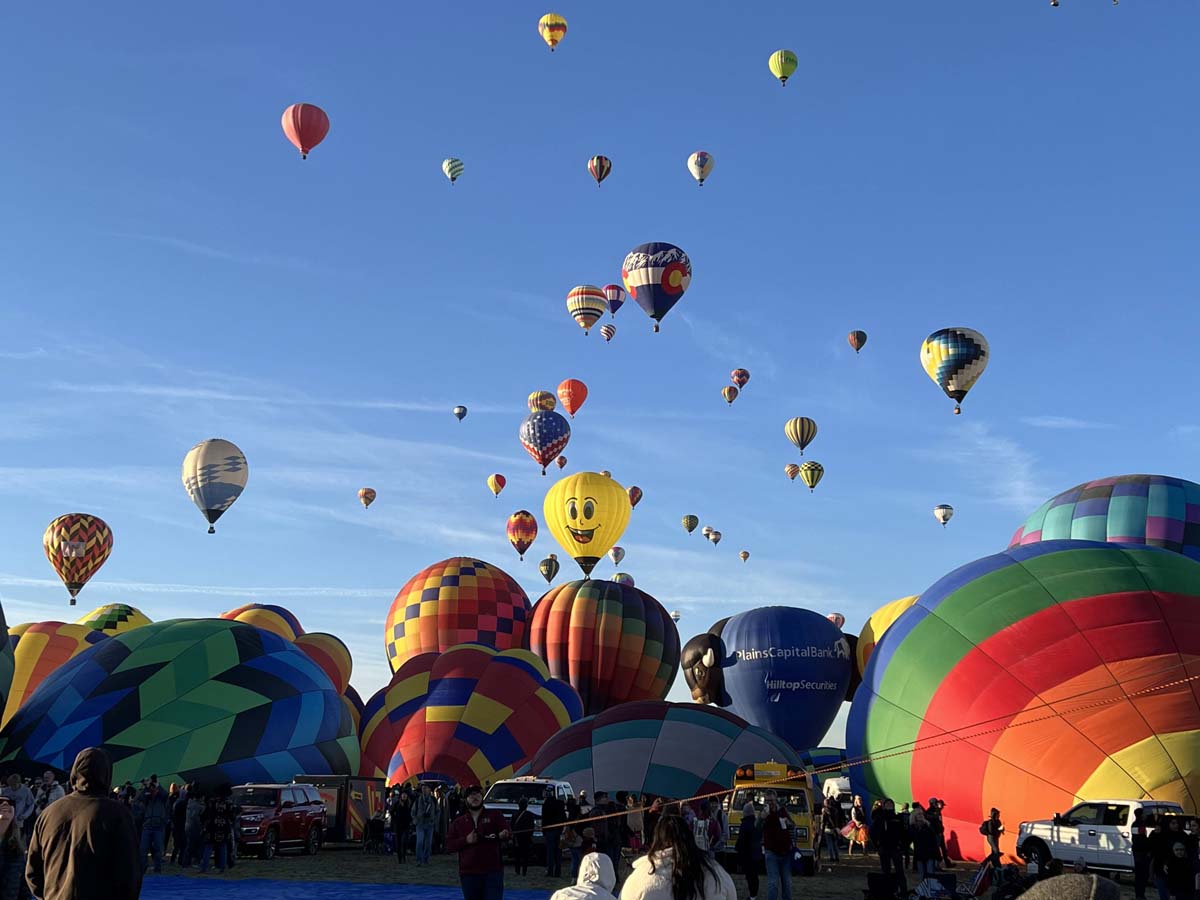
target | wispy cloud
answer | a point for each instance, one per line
(999, 468)
(717, 341)
(1063, 422)
(35, 353)
(144, 587)
(195, 248)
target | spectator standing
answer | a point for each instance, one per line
(1140, 839)
(425, 816)
(831, 827)
(991, 829)
(193, 826)
(675, 869)
(522, 830)
(924, 844)
(572, 839)
(939, 831)
(179, 826)
(23, 806)
(217, 825)
(860, 832)
(706, 831)
(84, 847)
(12, 851)
(476, 836)
(608, 829)
(748, 847)
(401, 819)
(155, 816)
(554, 812)
(1175, 861)
(48, 790)
(887, 831)
(596, 880)
(635, 822)
(777, 839)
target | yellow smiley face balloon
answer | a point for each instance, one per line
(587, 514)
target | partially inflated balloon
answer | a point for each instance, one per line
(740, 377)
(943, 512)
(274, 619)
(791, 470)
(599, 167)
(782, 64)
(572, 393)
(811, 474)
(331, 655)
(690, 523)
(522, 531)
(616, 554)
(800, 431)
(857, 340)
(366, 496)
(38, 649)
(608, 332)
(587, 514)
(452, 168)
(656, 275)
(114, 618)
(586, 304)
(214, 475)
(700, 164)
(635, 496)
(77, 545)
(955, 358)
(496, 483)
(615, 295)
(549, 567)
(552, 27)
(544, 435)
(305, 126)
(612, 642)
(460, 412)
(729, 392)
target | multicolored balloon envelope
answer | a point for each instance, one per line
(7, 664)
(1156, 510)
(657, 748)
(612, 642)
(354, 702)
(38, 648)
(786, 670)
(1036, 678)
(471, 714)
(274, 619)
(544, 435)
(656, 275)
(955, 358)
(333, 656)
(826, 763)
(877, 625)
(456, 601)
(114, 618)
(206, 699)
(77, 545)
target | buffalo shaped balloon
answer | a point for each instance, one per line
(587, 513)
(702, 659)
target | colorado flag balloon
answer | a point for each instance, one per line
(656, 275)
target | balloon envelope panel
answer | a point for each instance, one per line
(114, 618)
(1036, 677)
(274, 619)
(208, 699)
(38, 649)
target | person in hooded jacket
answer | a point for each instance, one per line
(193, 827)
(12, 851)
(179, 826)
(84, 846)
(675, 869)
(749, 847)
(596, 880)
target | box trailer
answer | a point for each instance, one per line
(350, 802)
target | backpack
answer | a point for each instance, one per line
(700, 833)
(983, 827)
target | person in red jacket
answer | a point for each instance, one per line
(476, 836)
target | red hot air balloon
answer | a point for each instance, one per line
(740, 377)
(572, 393)
(635, 496)
(77, 545)
(305, 126)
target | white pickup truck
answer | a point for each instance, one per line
(1097, 832)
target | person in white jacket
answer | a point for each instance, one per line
(675, 869)
(596, 880)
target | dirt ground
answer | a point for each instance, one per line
(845, 882)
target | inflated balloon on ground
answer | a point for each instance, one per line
(38, 648)
(877, 625)
(268, 617)
(114, 618)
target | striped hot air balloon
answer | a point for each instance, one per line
(452, 167)
(857, 340)
(586, 304)
(599, 167)
(800, 431)
(305, 125)
(522, 531)
(811, 474)
(615, 295)
(552, 27)
(608, 332)
(541, 400)
(366, 496)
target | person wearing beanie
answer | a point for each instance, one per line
(1074, 887)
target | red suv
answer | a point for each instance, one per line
(273, 817)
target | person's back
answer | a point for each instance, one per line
(654, 876)
(596, 880)
(85, 844)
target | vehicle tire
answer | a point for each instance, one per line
(1040, 854)
(312, 843)
(270, 844)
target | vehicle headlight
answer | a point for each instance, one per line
(251, 819)
(802, 833)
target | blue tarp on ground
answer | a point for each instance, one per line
(214, 888)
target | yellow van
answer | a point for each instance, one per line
(793, 786)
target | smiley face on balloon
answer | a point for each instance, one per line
(587, 513)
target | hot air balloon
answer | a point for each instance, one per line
(707, 530)
(275, 619)
(714, 537)
(460, 412)
(587, 514)
(552, 27)
(366, 496)
(114, 618)
(544, 435)
(700, 164)
(470, 714)
(561, 462)
(522, 531)
(793, 695)
(572, 393)
(676, 615)
(838, 620)
(729, 392)
(496, 483)
(811, 474)
(214, 682)
(452, 168)
(599, 167)
(744, 555)
(549, 567)
(612, 642)
(740, 377)
(857, 340)
(1087, 652)
(430, 614)
(955, 358)
(690, 522)
(214, 476)
(606, 473)
(305, 126)
(331, 654)
(353, 702)
(791, 470)
(77, 545)
(656, 275)
(877, 625)
(650, 748)
(622, 578)
(35, 650)
(616, 554)
(1156, 510)
(586, 304)
(541, 400)
(782, 64)
(800, 431)
(635, 496)
(615, 295)
(608, 332)
(943, 512)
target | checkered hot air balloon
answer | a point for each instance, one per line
(214, 475)
(114, 618)
(77, 545)
(955, 358)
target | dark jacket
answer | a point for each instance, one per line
(155, 810)
(924, 842)
(749, 839)
(401, 817)
(887, 831)
(522, 827)
(84, 846)
(217, 820)
(482, 857)
(777, 830)
(554, 812)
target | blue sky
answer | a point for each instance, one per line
(171, 271)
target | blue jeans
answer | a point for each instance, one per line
(12, 876)
(483, 887)
(831, 846)
(576, 859)
(779, 876)
(222, 853)
(424, 843)
(152, 843)
(553, 853)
